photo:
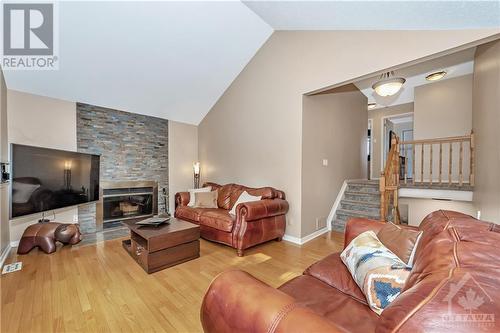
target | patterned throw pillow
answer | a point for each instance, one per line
(379, 273)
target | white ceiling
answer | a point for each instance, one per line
(175, 59)
(377, 15)
(457, 64)
(166, 59)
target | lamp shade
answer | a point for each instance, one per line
(196, 168)
(67, 165)
(388, 87)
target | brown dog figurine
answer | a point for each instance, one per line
(45, 235)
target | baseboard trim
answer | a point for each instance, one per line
(305, 239)
(5, 254)
(14, 244)
(292, 239)
(340, 195)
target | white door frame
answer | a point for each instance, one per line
(370, 127)
(382, 130)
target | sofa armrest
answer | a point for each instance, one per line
(256, 210)
(238, 302)
(356, 226)
(181, 199)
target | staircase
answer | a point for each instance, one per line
(378, 199)
(361, 199)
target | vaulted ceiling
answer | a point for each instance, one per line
(166, 59)
(377, 15)
(175, 59)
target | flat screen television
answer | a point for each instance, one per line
(46, 179)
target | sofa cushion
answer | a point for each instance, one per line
(434, 224)
(332, 271)
(346, 312)
(218, 219)
(264, 192)
(402, 242)
(459, 265)
(188, 213)
(224, 196)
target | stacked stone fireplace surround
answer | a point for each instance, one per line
(132, 147)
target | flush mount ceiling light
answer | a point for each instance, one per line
(388, 85)
(371, 105)
(435, 76)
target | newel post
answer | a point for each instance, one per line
(382, 197)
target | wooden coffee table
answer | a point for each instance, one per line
(156, 248)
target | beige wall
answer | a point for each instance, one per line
(4, 188)
(377, 117)
(420, 208)
(486, 122)
(443, 108)
(45, 122)
(253, 136)
(333, 126)
(182, 152)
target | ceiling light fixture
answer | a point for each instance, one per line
(388, 85)
(435, 76)
(371, 106)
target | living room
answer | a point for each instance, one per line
(239, 130)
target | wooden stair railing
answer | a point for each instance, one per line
(389, 182)
(447, 175)
(458, 177)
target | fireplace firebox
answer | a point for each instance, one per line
(128, 200)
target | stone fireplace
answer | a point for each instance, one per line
(133, 147)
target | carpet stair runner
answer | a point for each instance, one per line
(361, 199)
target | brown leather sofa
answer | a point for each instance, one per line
(255, 222)
(454, 286)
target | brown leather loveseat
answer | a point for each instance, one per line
(254, 223)
(454, 286)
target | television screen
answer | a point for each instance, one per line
(45, 179)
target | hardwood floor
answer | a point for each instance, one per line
(99, 288)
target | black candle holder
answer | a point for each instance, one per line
(67, 179)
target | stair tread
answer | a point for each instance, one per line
(356, 212)
(361, 181)
(360, 203)
(362, 192)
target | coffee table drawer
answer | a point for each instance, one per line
(155, 261)
(173, 256)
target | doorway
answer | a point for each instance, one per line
(402, 126)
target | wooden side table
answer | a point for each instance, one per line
(156, 248)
